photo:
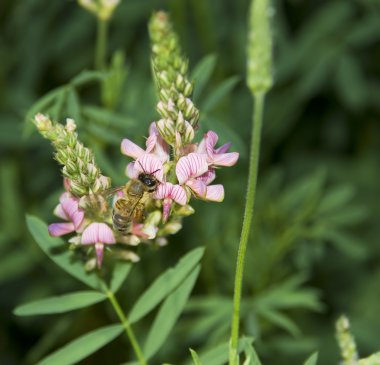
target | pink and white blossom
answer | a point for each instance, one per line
(148, 163)
(169, 193)
(98, 234)
(155, 144)
(67, 209)
(216, 156)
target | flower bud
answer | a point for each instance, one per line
(188, 134)
(180, 82)
(70, 125)
(180, 125)
(188, 89)
(42, 122)
(184, 210)
(171, 228)
(166, 128)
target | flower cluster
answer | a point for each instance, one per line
(103, 9)
(180, 167)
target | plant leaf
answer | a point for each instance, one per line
(250, 353)
(195, 357)
(312, 360)
(60, 304)
(64, 259)
(168, 314)
(119, 275)
(219, 354)
(87, 76)
(164, 284)
(220, 92)
(202, 73)
(83, 346)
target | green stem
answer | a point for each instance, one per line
(247, 220)
(128, 328)
(101, 44)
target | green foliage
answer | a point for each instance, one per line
(56, 249)
(60, 304)
(165, 284)
(83, 346)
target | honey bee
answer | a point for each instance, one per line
(130, 207)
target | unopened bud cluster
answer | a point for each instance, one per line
(259, 48)
(78, 163)
(346, 341)
(179, 114)
(103, 9)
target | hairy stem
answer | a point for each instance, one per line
(127, 327)
(247, 220)
(101, 44)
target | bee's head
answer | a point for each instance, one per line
(149, 181)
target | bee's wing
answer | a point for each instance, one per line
(111, 191)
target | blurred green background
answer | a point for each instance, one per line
(314, 250)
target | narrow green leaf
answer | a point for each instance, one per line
(312, 360)
(43, 103)
(60, 304)
(119, 275)
(202, 73)
(87, 76)
(220, 92)
(83, 346)
(73, 105)
(168, 314)
(56, 109)
(250, 353)
(164, 284)
(195, 357)
(58, 251)
(219, 354)
(106, 117)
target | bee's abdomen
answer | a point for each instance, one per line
(121, 223)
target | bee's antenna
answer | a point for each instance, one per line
(142, 167)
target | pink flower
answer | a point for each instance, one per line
(219, 156)
(147, 163)
(68, 209)
(169, 192)
(155, 144)
(98, 234)
(193, 171)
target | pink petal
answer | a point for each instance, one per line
(208, 176)
(59, 212)
(215, 193)
(150, 164)
(131, 172)
(192, 165)
(99, 248)
(163, 191)
(131, 149)
(178, 194)
(211, 140)
(166, 209)
(198, 187)
(151, 143)
(98, 233)
(70, 206)
(225, 159)
(223, 149)
(59, 229)
(202, 146)
(161, 147)
(66, 183)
